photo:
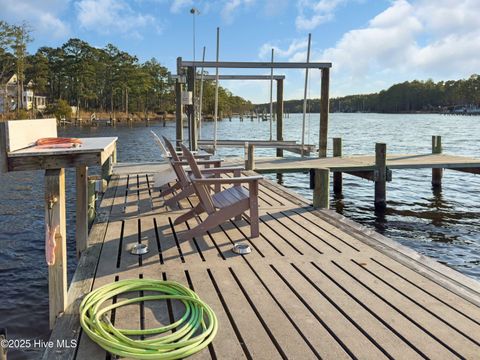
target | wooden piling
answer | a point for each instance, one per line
(250, 161)
(81, 226)
(380, 175)
(437, 174)
(107, 169)
(3, 349)
(321, 189)
(324, 103)
(337, 175)
(279, 115)
(191, 71)
(92, 180)
(55, 215)
(3, 149)
(178, 106)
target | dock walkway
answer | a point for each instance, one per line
(367, 163)
(316, 285)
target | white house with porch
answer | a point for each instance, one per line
(8, 96)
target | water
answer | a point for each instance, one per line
(443, 225)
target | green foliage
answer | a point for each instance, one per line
(91, 78)
(60, 109)
(22, 114)
(414, 96)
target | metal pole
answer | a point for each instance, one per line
(271, 95)
(305, 94)
(201, 100)
(216, 95)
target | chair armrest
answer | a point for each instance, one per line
(222, 170)
(235, 180)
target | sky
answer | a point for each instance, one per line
(372, 44)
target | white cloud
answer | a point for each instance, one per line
(113, 16)
(296, 46)
(232, 6)
(43, 19)
(313, 13)
(411, 39)
(179, 5)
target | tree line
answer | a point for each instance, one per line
(406, 97)
(414, 96)
(104, 79)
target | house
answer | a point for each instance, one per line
(8, 95)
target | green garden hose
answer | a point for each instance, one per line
(193, 331)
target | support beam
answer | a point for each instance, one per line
(475, 171)
(367, 175)
(279, 115)
(255, 65)
(250, 157)
(381, 175)
(337, 176)
(55, 215)
(241, 77)
(179, 107)
(324, 103)
(321, 188)
(437, 174)
(81, 218)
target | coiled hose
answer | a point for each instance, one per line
(194, 330)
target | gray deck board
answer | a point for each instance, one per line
(315, 286)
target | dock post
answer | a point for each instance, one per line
(337, 175)
(92, 180)
(3, 149)
(250, 162)
(192, 124)
(437, 174)
(3, 349)
(55, 215)
(279, 115)
(380, 175)
(107, 169)
(178, 107)
(321, 189)
(81, 226)
(324, 102)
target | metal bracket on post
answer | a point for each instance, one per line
(376, 175)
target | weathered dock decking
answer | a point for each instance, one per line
(315, 285)
(367, 163)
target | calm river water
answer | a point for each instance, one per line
(443, 225)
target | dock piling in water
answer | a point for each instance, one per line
(279, 115)
(380, 175)
(337, 175)
(437, 174)
(321, 188)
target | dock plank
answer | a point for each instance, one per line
(315, 285)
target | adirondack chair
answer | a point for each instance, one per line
(166, 154)
(221, 206)
(185, 186)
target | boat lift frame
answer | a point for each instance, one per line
(190, 72)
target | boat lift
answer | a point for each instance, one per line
(188, 68)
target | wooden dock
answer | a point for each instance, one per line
(316, 285)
